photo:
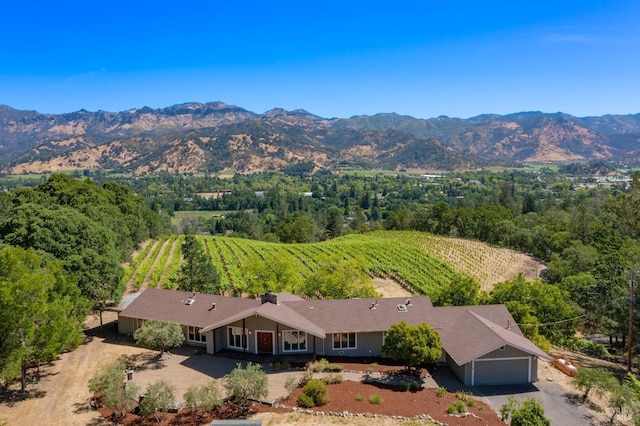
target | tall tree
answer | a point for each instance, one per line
(197, 272)
(412, 345)
(40, 311)
(549, 304)
(340, 277)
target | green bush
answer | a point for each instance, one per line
(451, 409)
(375, 399)
(246, 383)
(359, 397)
(460, 407)
(305, 401)
(280, 366)
(466, 398)
(442, 391)
(109, 382)
(529, 412)
(206, 396)
(157, 398)
(313, 394)
(325, 366)
(333, 379)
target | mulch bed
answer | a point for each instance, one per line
(343, 397)
(184, 417)
(348, 396)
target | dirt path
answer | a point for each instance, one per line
(168, 264)
(145, 281)
(389, 288)
(63, 392)
(129, 287)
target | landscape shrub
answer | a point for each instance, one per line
(460, 407)
(246, 383)
(466, 398)
(314, 394)
(280, 366)
(325, 366)
(332, 379)
(305, 401)
(375, 399)
(157, 398)
(359, 397)
(290, 383)
(206, 397)
(442, 391)
(115, 393)
(530, 412)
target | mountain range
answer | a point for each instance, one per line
(212, 137)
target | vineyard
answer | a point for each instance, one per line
(418, 261)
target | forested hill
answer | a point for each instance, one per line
(214, 136)
(90, 229)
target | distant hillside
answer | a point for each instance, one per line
(214, 136)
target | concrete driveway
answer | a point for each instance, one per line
(560, 406)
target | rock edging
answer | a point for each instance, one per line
(347, 414)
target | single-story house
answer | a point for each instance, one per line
(482, 344)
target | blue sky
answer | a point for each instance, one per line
(335, 59)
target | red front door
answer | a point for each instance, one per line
(265, 342)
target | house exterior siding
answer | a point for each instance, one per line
(507, 352)
(259, 324)
(367, 345)
(461, 371)
(126, 325)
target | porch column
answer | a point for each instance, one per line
(244, 337)
(314, 347)
(473, 371)
(277, 339)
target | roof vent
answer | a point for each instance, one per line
(190, 301)
(213, 306)
(407, 302)
(402, 307)
(374, 305)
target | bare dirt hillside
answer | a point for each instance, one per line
(487, 264)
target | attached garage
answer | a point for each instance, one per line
(480, 352)
(501, 371)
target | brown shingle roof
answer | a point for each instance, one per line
(280, 313)
(466, 332)
(469, 332)
(170, 305)
(357, 315)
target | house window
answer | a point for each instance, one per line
(193, 334)
(294, 340)
(344, 340)
(235, 339)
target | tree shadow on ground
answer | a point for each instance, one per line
(82, 407)
(576, 400)
(10, 397)
(146, 361)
